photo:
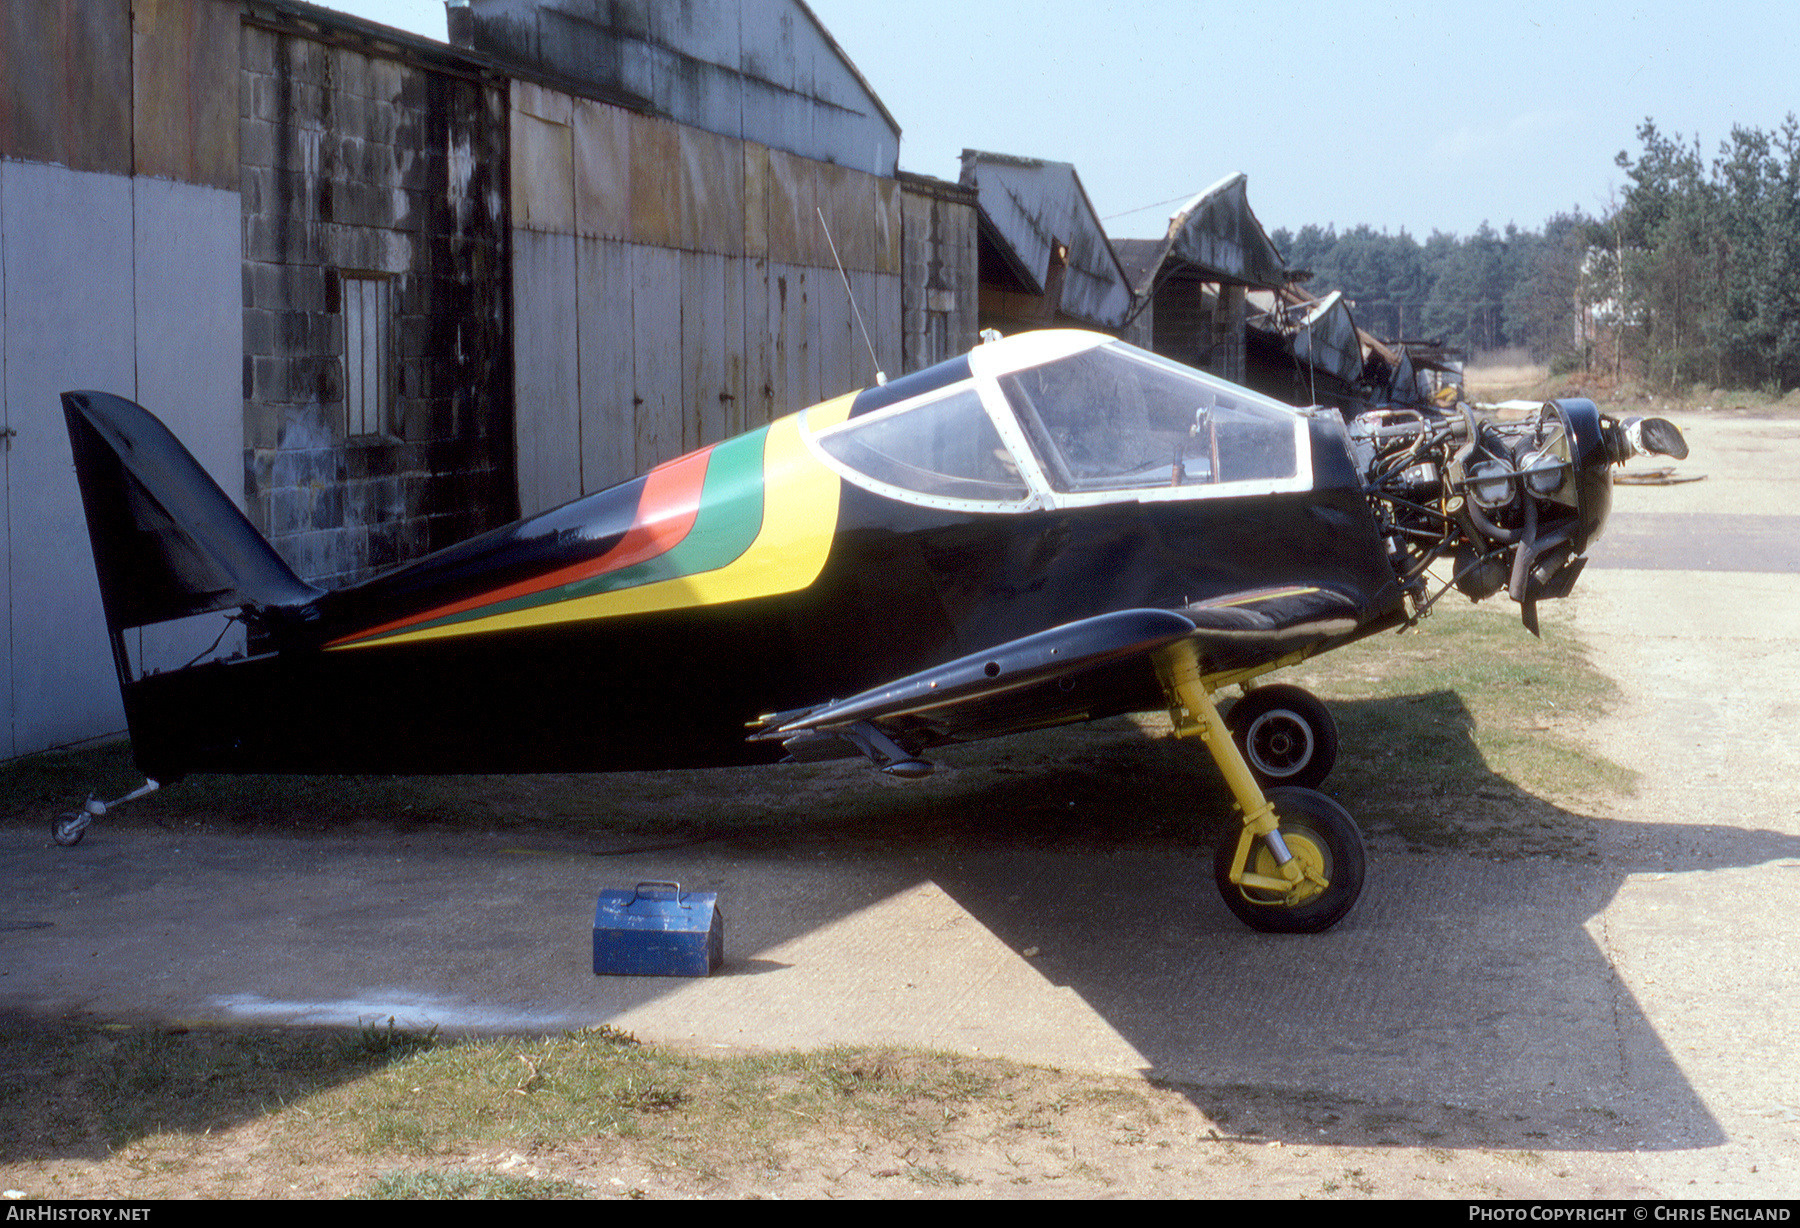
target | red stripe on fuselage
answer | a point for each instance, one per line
(666, 511)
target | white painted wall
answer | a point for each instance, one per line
(189, 313)
(130, 286)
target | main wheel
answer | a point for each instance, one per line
(1286, 734)
(1325, 839)
(68, 829)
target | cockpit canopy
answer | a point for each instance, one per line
(1064, 419)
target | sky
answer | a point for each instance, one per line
(1415, 118)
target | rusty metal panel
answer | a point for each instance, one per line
(800, 92)
(1035, 205)
(656, 354)
(847, 200)
(655, 187)
(848, 133)
(65, 83)
(759, 69)
(770, 48)
(1325, 336)
(781, 118)
(887, 228)
(733, 392)
(877, 298)
(794, 234)
(1217, 232)
(706, 30)
(840, 361)
(185, 90)
(540, 100)
(608, 436)
(756, 200)
(543, 174)
(712, 193)
(546, 376)
(602, 137)
(882, 312)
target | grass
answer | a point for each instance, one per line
(417, 1110)
(1509, 377)
(113, 1085)
(439, 1185)
(1503, 380)
(1467, 732)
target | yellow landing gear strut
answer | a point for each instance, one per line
(1296, 865)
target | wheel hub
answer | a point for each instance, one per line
(1279, 743)
(1314, 869)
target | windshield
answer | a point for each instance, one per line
(1061, 418)
(945, 447)
(1114, 418)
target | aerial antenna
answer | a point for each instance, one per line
(880, 375)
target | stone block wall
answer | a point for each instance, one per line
(360, 170)
(940, 281)
(1202, 324)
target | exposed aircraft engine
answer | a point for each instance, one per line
(1513, 503)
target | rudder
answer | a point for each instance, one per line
(168, 542)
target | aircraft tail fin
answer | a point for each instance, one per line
(168, 543)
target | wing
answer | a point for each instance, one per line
(1082, 670)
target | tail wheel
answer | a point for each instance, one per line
(1322, 836)
(1286, 735)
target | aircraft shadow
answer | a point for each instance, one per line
(1463, 1002)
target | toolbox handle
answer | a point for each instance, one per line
(637, 892)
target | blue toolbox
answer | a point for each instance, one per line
(656, 929)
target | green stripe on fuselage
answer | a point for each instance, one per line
(728, 520)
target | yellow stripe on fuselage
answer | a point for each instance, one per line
(800, 506)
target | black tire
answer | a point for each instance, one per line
(68, 829)
(1286, 735)
(1319, 832)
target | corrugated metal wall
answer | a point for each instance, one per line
(119, 271)
(673, 287)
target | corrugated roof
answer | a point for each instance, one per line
(1030, 205)
(765, 71)
(1215, 235)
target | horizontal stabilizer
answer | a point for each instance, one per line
(168, 543)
